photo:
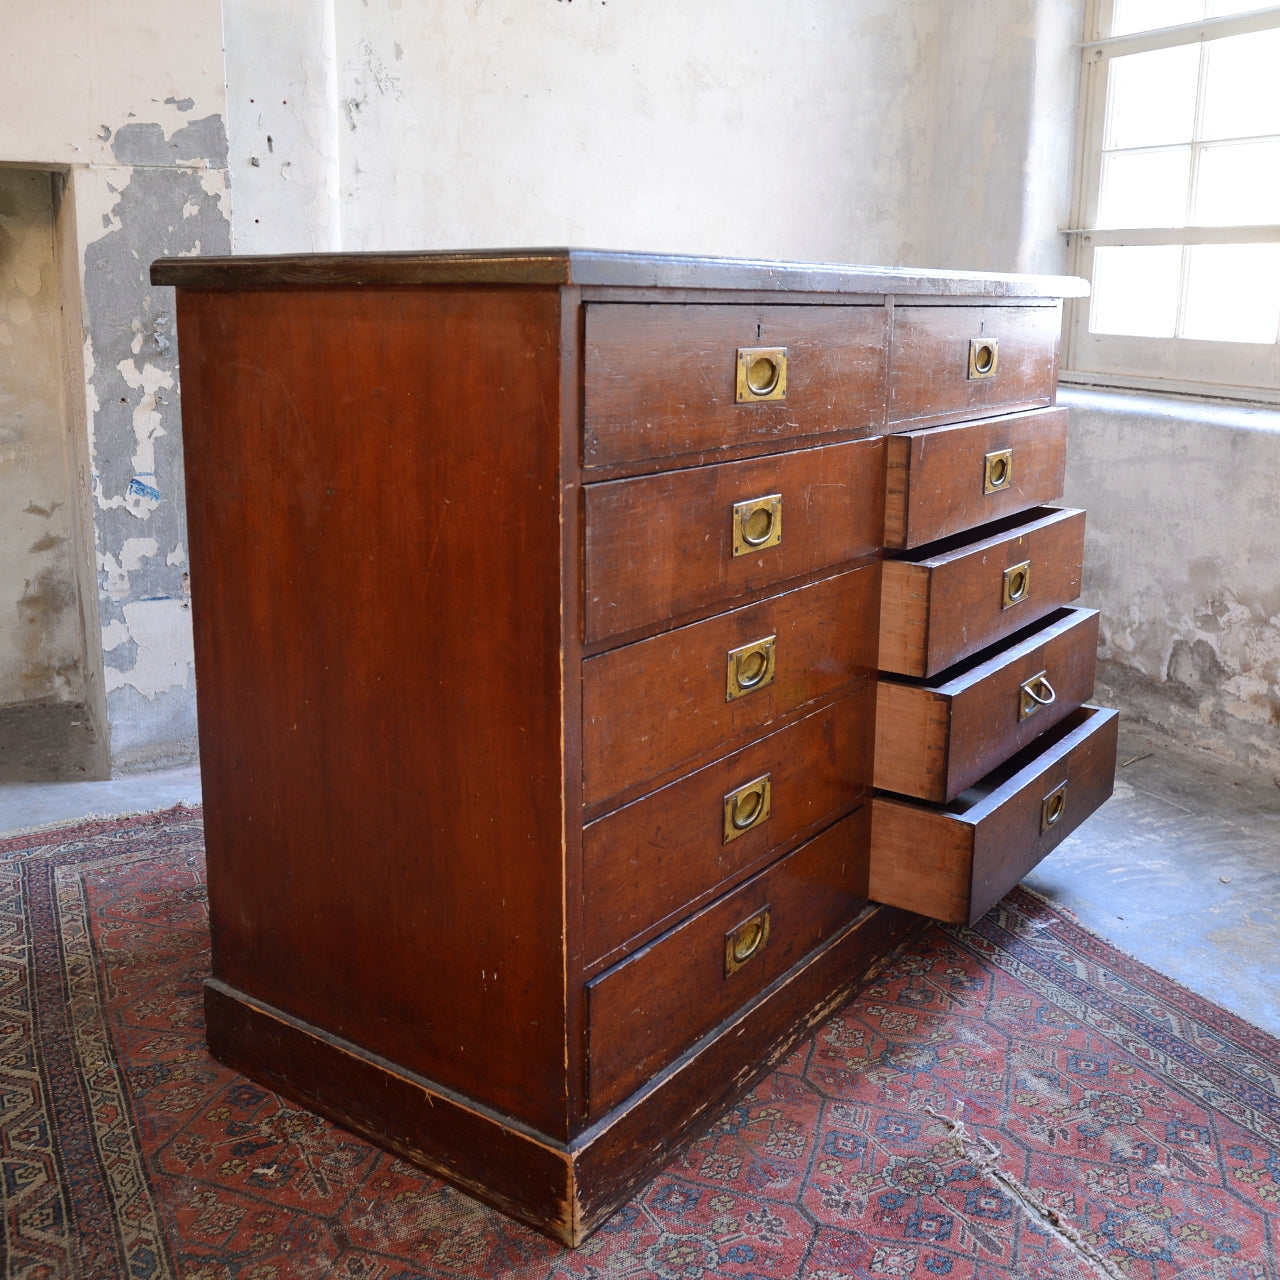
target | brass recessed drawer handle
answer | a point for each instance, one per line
(984, 355)
(762, 374)
(751, 667)
(757, 524)
(1052, 807)
(997, 472)
(1034, 694)
(1017, 584)
(745, 941)
(747, 807)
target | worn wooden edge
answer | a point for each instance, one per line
(904, 617)
(563, 1189)
(593, 267)
(921, 859)
(913, 740)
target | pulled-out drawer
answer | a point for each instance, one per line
(935, 739)
(661, 546)
(948, 600)
(672, 380)
(645, 864)
(956, 863)
(660, 706)
(958, 362)
(940, 480)
(647, 1010)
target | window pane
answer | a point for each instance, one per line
(1135, 290)
(1241, 97)
(1238, 182)
(1141, 15)
(1233, 292)
(1144, 188)
(1222, 8)
(1151, 97)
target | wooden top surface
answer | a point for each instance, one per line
(595, 268)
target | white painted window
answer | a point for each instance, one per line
(1178, 198)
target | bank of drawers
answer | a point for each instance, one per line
(735, 613)
(985, 756)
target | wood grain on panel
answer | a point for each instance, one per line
(651, 861)
(661, 379)
(380, 721)
(933, 740)
(658, 547)
(963, 579)
(929, 377)
(954, 864)
(659, 706)
(647, 1010)
(936, 478)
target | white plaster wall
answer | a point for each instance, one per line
(1183, 560)
(127, 101)
(41, 644)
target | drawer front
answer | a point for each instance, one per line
(666, 703)
(934, 740)
(644, 1012)
(956, 863)
(661, 380)
(950, 600)
(665, 545)
(644, 864)
(937, 365)
(940, 480)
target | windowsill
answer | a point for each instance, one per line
(1150, 404)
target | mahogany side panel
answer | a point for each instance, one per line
(375, 525)
(936, 478)
(645, 1011)
(660, 704)
(661, 379)
(654, 860)
(659, 547)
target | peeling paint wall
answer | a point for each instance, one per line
(128, 102)
(41, 640)
(1183, 560)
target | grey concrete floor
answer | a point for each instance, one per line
(1180, 869)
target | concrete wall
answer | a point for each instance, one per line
(126, 103)
(42, 645)
(1182, 557)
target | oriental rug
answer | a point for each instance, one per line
(1010, 1101)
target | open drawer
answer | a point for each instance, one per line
(955, 863)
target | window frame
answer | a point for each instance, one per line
(1229, 370)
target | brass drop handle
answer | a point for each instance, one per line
(1017, 584)
(762, 374)
(746, 941)
(757, 524)
(747, 807)
(1034, 694)
(997, 472)
(1053, 807)
(751, 667)
(984, 356)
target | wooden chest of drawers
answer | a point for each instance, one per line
(550, 658)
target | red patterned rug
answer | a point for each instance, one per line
(1010, 1101)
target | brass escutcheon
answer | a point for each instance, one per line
(998, 471)
(1034, 694)
(746, 940)
(984, 354)
(751, 667)
(1052, 807)
(1017, 584)
(757, 524)
(747, 807)
(762, 374)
